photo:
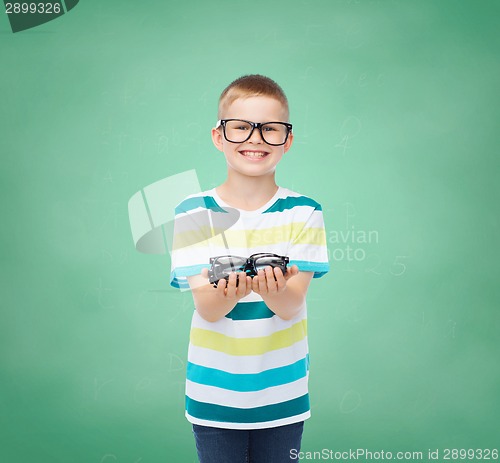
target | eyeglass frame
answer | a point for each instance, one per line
(249, 265)
(255, 125)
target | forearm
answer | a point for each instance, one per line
(284, 296)
(286, 304)
(210, 306)
(215, 303)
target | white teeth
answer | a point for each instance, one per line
(253, 154)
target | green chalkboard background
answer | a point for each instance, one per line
(395, 106)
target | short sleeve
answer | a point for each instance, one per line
(308, 248)
(190, 247)
(198, 234)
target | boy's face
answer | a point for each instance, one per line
(253, 157)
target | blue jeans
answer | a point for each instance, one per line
(270, 445)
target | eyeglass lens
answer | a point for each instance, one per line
(274, 133)
(262, 262)
(229, 264)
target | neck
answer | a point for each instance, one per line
(246, 192)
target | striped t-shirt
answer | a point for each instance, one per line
(250, 369)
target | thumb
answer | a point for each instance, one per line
(291, 272)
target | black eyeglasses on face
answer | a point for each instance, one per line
(222, 266)
(239, 131)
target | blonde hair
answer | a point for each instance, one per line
(251, 85)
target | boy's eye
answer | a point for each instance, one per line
(268, 128)
(238, 125)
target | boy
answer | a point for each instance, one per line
(248, 362)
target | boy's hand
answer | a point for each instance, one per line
(229, 290)
(272, 282)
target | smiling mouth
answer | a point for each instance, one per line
(254, 154)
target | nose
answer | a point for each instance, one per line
(256, 136)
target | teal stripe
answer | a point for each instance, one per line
(178, 276)
(250, 311)
(291, 201)
(190, 270)
(247, 382)
(206, 202)
(319, 274)
(212, 412)
(179, 284)
(319, 268)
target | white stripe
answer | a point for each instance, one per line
(291, 193)
(247, 328)
(260, 425)
(252, 297)
(248, 364)
(310, 252)
(264, 222)
(201, 252)
(269, 396)
(300, 213)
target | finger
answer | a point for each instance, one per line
(280, 279)
(242, 284)
(204, 272)
(261, 281)
(231, 287)
(221, 286)
(249, 285)
(270, 281)
(255, 284)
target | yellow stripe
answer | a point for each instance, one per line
(278, 234)
(196, 237)
(312, 236)
(292, 232)
(249, 346)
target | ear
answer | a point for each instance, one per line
(217, 138)
(288, 143)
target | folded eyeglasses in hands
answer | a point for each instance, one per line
(222, 266)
